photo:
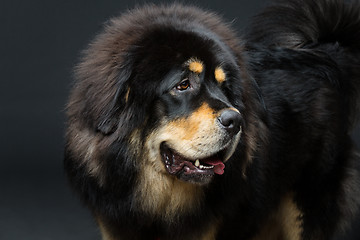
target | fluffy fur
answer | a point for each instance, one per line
(165, 88)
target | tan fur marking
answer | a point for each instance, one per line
(105, 235)
(291, 219)
(158, 193)
(284, 223)
(127, 95)
(210, 234)
(162, 195)
(190, 126)
(220, 75)
(195, 65)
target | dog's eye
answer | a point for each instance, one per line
(184, 85)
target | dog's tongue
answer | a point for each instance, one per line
(218, 165)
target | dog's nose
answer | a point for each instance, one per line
(231, 121)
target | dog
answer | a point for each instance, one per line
(179, 129)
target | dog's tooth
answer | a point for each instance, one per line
(197, 163)
(208, 167)
(201, 166)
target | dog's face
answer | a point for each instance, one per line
(197, 128)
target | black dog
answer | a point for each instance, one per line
(179, 130)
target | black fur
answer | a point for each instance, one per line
(295, 81)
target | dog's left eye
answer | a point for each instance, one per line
(184, 85)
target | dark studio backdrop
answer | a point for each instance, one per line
(40, 41)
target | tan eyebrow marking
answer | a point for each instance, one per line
(220, 75)
(195, 65)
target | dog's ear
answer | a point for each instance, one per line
(113, 106)
(99, 95)
(108, 120)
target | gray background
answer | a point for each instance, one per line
(40, 41)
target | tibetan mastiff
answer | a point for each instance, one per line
(179, 129)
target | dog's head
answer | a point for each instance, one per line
(181, 83)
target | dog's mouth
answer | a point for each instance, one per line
(199, 171)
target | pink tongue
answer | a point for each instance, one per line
(218, 165)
